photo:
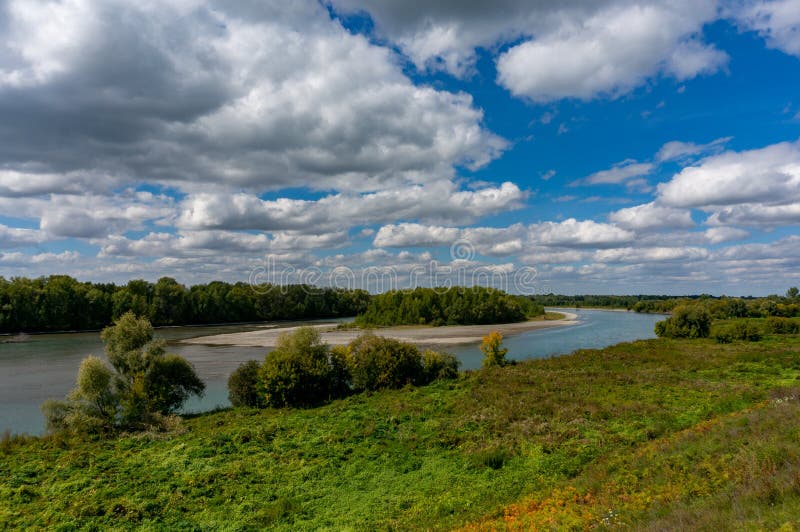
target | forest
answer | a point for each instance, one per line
(61, 303)
(722, 307)
(455, 306)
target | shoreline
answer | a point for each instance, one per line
(445, 335)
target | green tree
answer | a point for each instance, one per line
(244, 385)
(494, 354)
(145, 382)
(298, 371)
(792, 293)
(376, 362)
(687, 321)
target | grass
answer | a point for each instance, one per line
(653, 434)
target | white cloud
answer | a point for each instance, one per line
(718, 235)
(612, 51)
(574, 233)
(653, 254)
(651, 216)
(16, 237)
(619, 173)
(767, 175)
(438, 201)
(677, 150)
(777, 21)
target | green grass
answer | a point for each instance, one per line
(660, 433)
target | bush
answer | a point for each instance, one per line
(782, 326)
(740, 330)
(298, 372)
(494, 353)
(244, 386)
(144, 384)
(436, 366)
(687, 321)
(376, 362)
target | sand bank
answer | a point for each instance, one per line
(447, 335)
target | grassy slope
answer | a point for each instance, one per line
(656, 433)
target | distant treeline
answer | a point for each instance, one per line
(456, 306)
(59, 302)
(718, 307)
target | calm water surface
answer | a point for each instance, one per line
(46, 366)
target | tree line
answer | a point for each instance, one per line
(454, 306)
(60, 302)
(722, 307)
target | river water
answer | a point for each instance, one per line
(45, 366)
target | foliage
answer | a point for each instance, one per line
(494, 354)
(60, 302)
(439, 366)
(718, 307)
(244, 386)
(298, 372)
(453, 306)
(687, 321)
(144, 383)
(375, 363)
(783, 326)
(659, 434)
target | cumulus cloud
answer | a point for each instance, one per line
(651, 216)
(777, 21)
(768, 175)
(652, 254)
(717, 235)
(260, 96)
(17, 237)
(574, 233)
(613, 51)
(438, 201)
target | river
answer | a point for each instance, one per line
(45, 366)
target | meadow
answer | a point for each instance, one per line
(652, 434)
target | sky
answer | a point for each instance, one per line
(567, 146)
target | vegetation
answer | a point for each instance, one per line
(59, 303)
(299, 371)
(718, 307)
(143, 384)
(660, 434)
(493, 352)
(244, 386)
(687, 321)
(454, 306)
(303, 371)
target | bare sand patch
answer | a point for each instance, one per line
(447, 335)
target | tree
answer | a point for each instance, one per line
(298, 371)
(792, 293)
(376, 362)
(687, 321)
(439, 366)
(494, 353)
(244, 385)
(144, 383)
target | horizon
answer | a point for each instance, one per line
(598, 148)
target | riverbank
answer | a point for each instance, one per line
(627, 436)
(446, 335)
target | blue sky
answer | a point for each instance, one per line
(614, 146)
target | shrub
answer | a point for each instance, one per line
(687, 321)
(244, 385)
(376, 362)
(144, 384)
(782, 326)
(740, 330)
(436, 365)
(494, 353)
(298, 372)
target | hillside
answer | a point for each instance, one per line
(656, 433)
